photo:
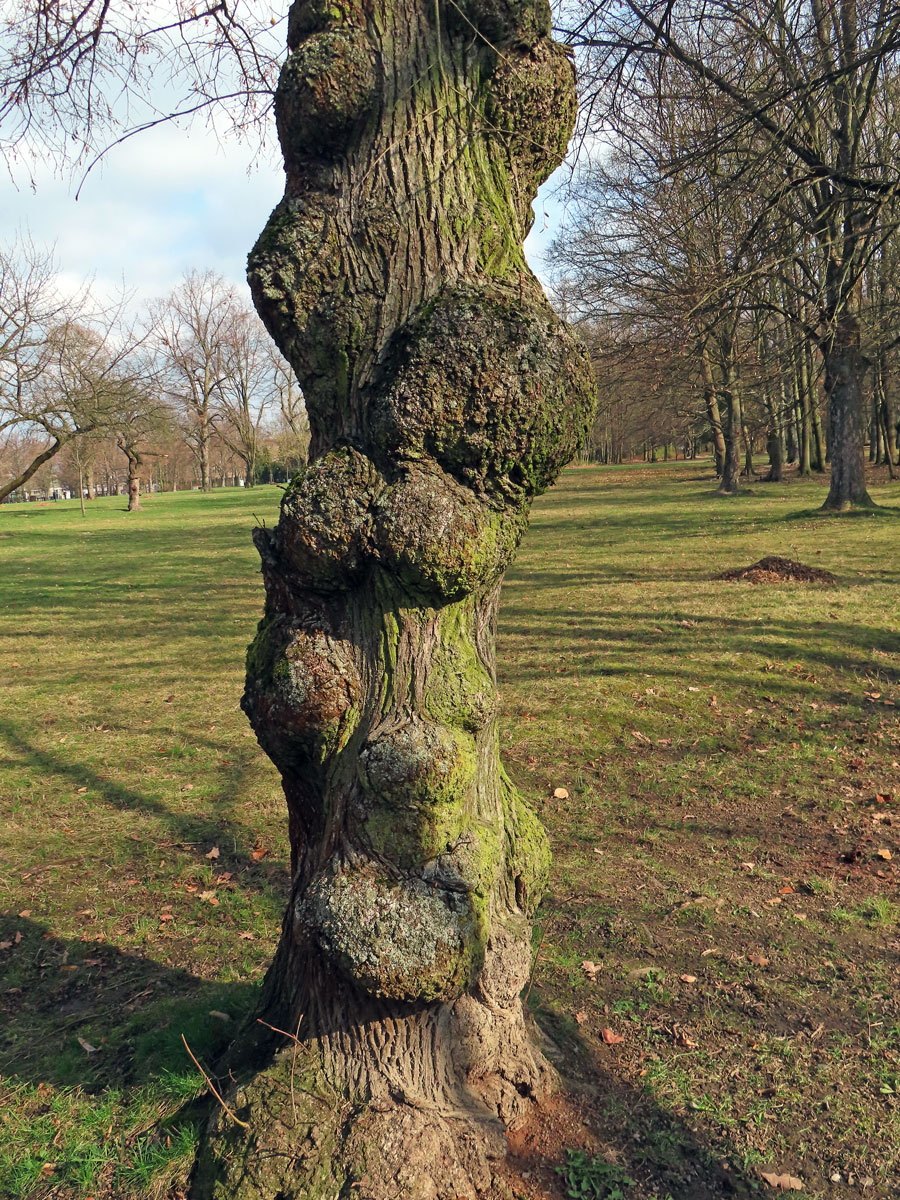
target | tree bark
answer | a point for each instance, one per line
(845, 369)
(443, 394)
(730, 484)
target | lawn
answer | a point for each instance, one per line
(724, 857)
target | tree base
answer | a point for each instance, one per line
(434, 1094)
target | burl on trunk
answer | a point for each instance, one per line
(443, 394)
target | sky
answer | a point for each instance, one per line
(166, 202)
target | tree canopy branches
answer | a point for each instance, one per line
(78, 75)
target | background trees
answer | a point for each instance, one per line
(196, 396)
(786, 115)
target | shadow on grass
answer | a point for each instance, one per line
(186, 829)
(665, 1155)
(85, 1014)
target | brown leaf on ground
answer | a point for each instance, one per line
(885, 854)
(26, 912)
(688, 978)
(611, 1039)
(166, 917)
(86, 1046)
(581, 1017)
(682, 1039)
(785, 1183)
(5, 945)
(209, 898)
(560, 793)
(214, 853)
(758, 960)
(590, 969)
(259, 852)
(246, 937)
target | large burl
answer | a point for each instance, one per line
(443, 395)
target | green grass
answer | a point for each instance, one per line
(723, 745)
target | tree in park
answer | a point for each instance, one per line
(811, 80)
(391, 1049)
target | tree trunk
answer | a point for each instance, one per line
(203, 448)
(134, 488)
(443, 394)
(731, 468)
(845, 368)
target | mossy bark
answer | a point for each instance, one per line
(443, 395)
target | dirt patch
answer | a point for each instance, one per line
(774, 569)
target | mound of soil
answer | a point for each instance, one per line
(778, 570)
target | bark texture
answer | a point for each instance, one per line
(443, 394)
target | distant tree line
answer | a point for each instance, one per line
(94, 401)
(733, 244)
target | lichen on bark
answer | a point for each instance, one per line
(443, 395)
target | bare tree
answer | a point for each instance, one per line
(191, 330)
(808, 80)
(75, 77)
(245, 389)
(60, 362)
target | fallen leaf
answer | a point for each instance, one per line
(166, 917)
(883, 797)
(758, 960)
(560, 793)
(87, 1046)
(220, 1016)
(711, 950)
(581, 1017)
(246, 937)
(81, 791)
(258, 853)
(787, 890)
(785, 1183)
(48, 1169)
(26, 912)
(682, 1039)
(611, 1039)
(225, 877)
(168, 699)
(18, 937)
(209, 898)
(590, 969)
(93, 962)
(749, 866)
(885, 854)
(214, 853)
(688, 978)
(5, 945)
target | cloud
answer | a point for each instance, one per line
(163, 203)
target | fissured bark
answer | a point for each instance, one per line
(391, 1051)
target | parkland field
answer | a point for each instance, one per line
(717, 761)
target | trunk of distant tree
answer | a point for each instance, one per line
(81, 489)
(732, 428)
(91, 486)
(134, 486)
(885, 416)
(712, 412)
(748, 452)
(845, 369)
(203, 436)
(442, 393)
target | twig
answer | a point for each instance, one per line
(295, 1038)
(237, 1120)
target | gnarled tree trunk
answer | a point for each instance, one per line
(443, 394)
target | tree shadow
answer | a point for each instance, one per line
(658, 1149)
(88, 1015)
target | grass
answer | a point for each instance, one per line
(724, 748)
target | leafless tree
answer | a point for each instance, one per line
(77, 76)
